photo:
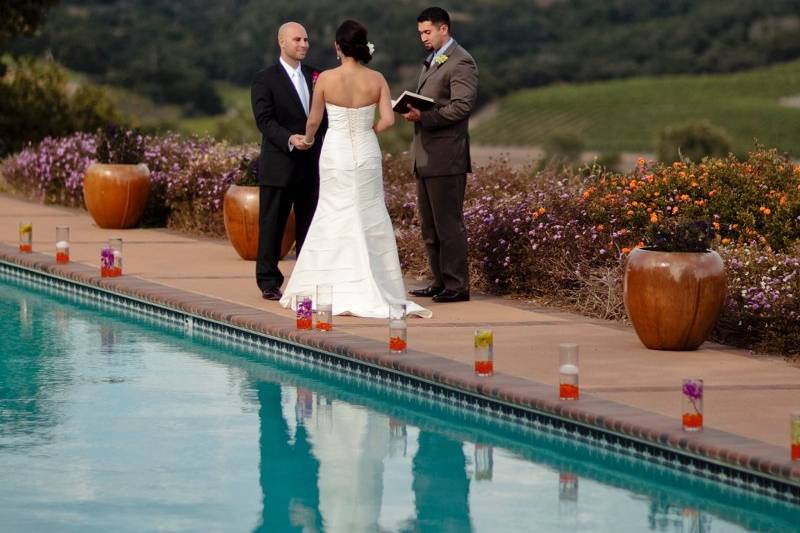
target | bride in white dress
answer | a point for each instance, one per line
(350, 244)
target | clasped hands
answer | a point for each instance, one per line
(298, 140)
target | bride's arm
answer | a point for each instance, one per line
(386, 119)
(316, 111)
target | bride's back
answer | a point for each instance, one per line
(353, 86)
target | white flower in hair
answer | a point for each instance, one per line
(371, 48)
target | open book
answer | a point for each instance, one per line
(423, 103)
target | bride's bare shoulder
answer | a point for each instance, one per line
(376, 73)
(376, 77)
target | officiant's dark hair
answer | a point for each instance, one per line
(352, 40)
(435, 15)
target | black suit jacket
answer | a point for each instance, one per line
(279, 114)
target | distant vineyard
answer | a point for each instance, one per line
(627, 115)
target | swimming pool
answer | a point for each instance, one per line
(109, 423)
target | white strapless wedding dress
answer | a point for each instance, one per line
(351, 243)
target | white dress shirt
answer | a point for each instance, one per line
(299, 81)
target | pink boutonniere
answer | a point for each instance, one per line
(314, 77)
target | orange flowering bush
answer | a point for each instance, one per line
(562, 236)
(684, 207)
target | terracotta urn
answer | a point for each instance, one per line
(116, 195)
(674, 298)
(240, 213)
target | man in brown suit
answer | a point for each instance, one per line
(441, 155)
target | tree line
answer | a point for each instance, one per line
(174, 51)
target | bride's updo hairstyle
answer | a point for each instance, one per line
(352, 40)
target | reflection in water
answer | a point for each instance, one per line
(288, 471)
(666, 517)
(484, 462)
(441, 486)
(398, 438)
(28, 384)
(567, 487)
(332, 455)
(568, 499)
(25, 319)
(108, 337)
(351, 450)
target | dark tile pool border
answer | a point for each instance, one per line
(712, 454)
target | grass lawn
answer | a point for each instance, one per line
(626, 115)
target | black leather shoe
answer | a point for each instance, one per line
(271, 293)
(427, 292)
(449, 295)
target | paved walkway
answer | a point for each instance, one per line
(749, 396)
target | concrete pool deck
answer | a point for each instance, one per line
(626, 388)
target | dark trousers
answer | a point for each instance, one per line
(274, 206)
(441, 208)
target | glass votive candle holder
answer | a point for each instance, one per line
(26, 237)
(111, 259)
(795, 436)
(62, 244)
(692, 404)
(324, 307)
(568, 388)
(302, 309)
(398, 330)
(484, 352)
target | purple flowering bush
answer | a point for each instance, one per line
(189, 176)
(762, 310)
(195, 193)
(52, 171)
(560, 236)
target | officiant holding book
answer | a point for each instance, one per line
(441, 155)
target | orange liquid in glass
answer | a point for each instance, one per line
(396, 344)
(324, 326)
(568, 392)
(303, 323)
(27, 248)
(62, 257)
(112, 272)
(692, 420)
(795, 452)
(484, 368)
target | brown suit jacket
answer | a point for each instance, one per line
(441, 137)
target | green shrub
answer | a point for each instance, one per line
(37, 100)
(693, 142)
(565, 146)
(611, 160)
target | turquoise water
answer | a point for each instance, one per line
(109, 424)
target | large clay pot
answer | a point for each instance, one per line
(240, 213)
(674, 298)
(116, 195)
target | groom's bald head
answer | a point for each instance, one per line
(293, 41)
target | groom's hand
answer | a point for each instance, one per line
(297, 142)
(413, 114)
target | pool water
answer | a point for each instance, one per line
(112, 424)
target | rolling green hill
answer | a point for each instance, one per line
(627, 115)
